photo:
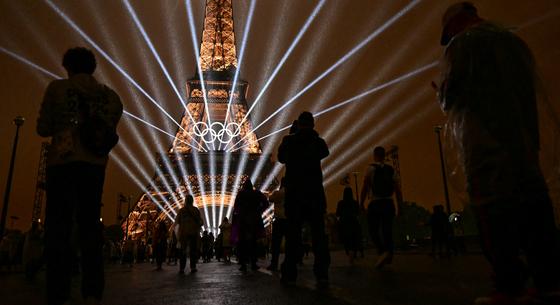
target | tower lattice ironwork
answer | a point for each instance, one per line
(41, 183)
(393, 154)
(198, 162)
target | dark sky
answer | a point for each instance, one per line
(402, 114)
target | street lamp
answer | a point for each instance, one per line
(18, 121)
(437, 130)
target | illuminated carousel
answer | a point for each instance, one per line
(214, 150)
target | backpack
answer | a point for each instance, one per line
(383, 184)
(96, 134)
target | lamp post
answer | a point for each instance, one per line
(18, 121)
(437, 130)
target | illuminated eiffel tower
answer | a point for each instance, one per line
(199, 162)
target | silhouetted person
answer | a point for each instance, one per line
(439, 224)
(306, 240)
(305, 200)
(172, 252)
(140, 252)
(380, 183)
(159, 243)
(225, 230)
(206, 246)
(279, 226)
(247, 219)
(218, 250)
(189, 221)
(347, 211)
(458, 246)
(33, 250)
(128, 252)
(212, 240)
(81, 116)
(489, 92)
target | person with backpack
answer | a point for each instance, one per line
(187, 227)
(81, 116)
(380, 183)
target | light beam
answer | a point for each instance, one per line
(240, 59)
(358, 97)
(148, 41)
(291, 48)
(29, 63)
(109, 59)
(135, 179)
(343, 59)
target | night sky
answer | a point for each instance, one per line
(402, 114)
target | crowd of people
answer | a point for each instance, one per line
(489, 93)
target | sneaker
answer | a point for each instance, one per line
(181, 272)
(194, 270)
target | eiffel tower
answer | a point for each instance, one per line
(200, 161)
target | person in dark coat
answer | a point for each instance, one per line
(439, 224)
(33, 250)
(187, 224)
(159, 243)
(347, 212)
(305, 200)
(225, 231)
(206, 246)
(248, 223)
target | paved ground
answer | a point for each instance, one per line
(412, 279)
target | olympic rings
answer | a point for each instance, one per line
(217, 131)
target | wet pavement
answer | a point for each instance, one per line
(411, 279)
